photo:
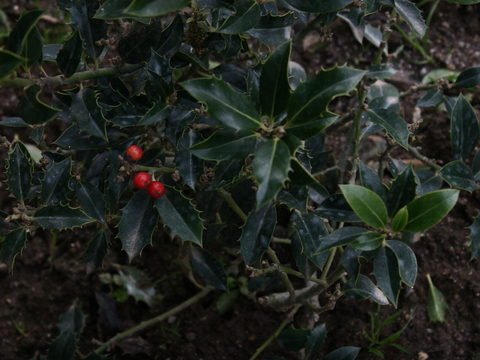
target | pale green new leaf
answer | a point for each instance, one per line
(437, 305)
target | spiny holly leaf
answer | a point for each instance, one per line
(257, 233)
(335, 207)
(9, 61)
(177, 122)
(138, 285)
(226, 173)
(75, 139)
(19, 171)
(295, 197)
(156, 115)
(465, 130)
(69, 56)
(437, 305)
(427, 210)
(270, 169)
(63, 347)
(88, 114)
(475, 237)
(402, 190)
(433, 97)
(459, 175)
(245, 16)
(364, 288)
(25, 39)
(12, 245)
(56, 183)
(273, 30)
(91, 200)
(393, 124)
(340, 237)
(411, 14)
(344, 353)
(73, 320)
(152, 8)
(371, 180)
(32, 110)
(367, 205)
(315, 340)
(311, 231)
(180, 215)
(97, 250)
(226, 105)
(209, 268)
(60, 217)
(387, 272)
(190, 166)
(311, 98)
(138, 222)
(470, 77)
(226, 144)
(274, 83)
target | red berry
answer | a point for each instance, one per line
(156, 189)
(142, 180)
(134, 153)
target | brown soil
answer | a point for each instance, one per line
(48, 279)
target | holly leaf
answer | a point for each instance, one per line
(88, 114)
(152, 8)
(475, 237)
(69, 56)
(63, 347)
(459, 175)
(91, 200)
(412, 15)
(402, 190)
(32, 110)
(209, 268)
(245, 16)
(12, 245)
(56, 183)
(364, 288)
(387, 272)
(393, 124)
(96, 250)
(465, 130)
(437, 305)
(60, 217)
(19, 171)
(190, 166)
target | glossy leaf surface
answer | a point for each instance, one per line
(97, 250)
(427, 210)
(12, 245)
(465, 130)
(273, 30)
(411, 14)
(437, 305)
(63, 347)
(340, 237)
(151, 8)
(407, 261)
(470, 77)
(315, 340)
(366, 204)
(209, 268)
(400, 219)
(9, 61)
(395, 126)
(19, 171)
(270, 169)
(34, 111)
(335, 207)
(402, 190)
(459, 175)
(387, 272)
(91, 200)
(60, 217)
(190, 166)
(138, 222)
(371, 180)
(56, 184)
(364, 288)
(69, 56)
(246, 15)
(226, 105)
(88, 114)
(257, 233)
(319, 6)
(344, 353)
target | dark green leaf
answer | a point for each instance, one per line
(437, 305)
(381, 71)
(366, 204)
(304, 264)
(407, 261)
(363, 289)
(7, 225)
(180, 215)
(375, 36)
(245, 16)
(151, 8)
(73, 320)
(25, 39)
(226, 144)
(465, 130)
(14, 122)
(12, 245)
(344, 353)
(311, 98)
(476, 166)
(295, 197)
(387, 272)
(354, 19)
(293, 339)
(393, 123)
(137, 46)
(19, 171)
(37, 134)
(60, 217)
(318, 193)
(32, 110)
(91, 200)
(273, 30)
(274, 83)
(391, 103)
(138, 285)
(88, 114)
(226, 105)
(402, 190)
(459, 175)
(340, 237)
(97, 250)
(427, 210)
(225, 173)
(464, 2)
(190, 167)
(112, 9)
(63, 347)
(176, 123)
(315, 340)
(400, 219)
(433, 97)
(209, 268)
(171, 38)
(299, 175)
(470, 77)
(69, 56)
(368, 241)
(475, 237)
(314, 127)
(410, 13)
(371, 180)
(75, 139)
(350, 261)
(156, 115)
(270, 169)
(138, 222)
(56, 184)
(257, 233)
(428, 182)
(336, 208)
(9, 61)
(318, 6)
(311, 231)
(381, 89)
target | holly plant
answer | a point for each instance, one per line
(193, 117)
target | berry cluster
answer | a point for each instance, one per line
(143, 180)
